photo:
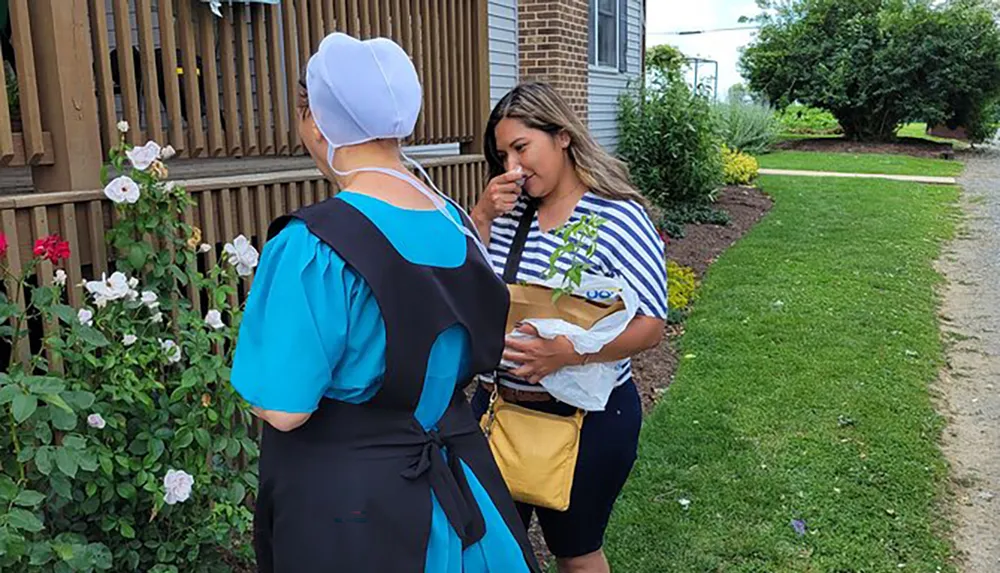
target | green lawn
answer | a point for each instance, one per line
(919, 130)
(860, 163)
(802, 393)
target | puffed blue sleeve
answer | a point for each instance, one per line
(295, 326)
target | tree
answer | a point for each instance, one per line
(877, 64)
(666, 63)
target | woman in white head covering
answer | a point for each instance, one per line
(368, 315)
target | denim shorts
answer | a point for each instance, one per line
(608, 446)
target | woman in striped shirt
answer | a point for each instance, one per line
(541, 155)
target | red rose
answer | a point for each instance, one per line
(52, 248)
(3, 244)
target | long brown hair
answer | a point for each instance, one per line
(539, 106)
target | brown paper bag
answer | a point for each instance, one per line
(534, 301)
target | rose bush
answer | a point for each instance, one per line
(124, 447)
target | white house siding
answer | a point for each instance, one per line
(607, 84)
(503, 47)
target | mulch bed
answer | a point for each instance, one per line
(701, 245)
(902, 146)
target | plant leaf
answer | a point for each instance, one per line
(65, 420)
(93, 336)
(23, 407)
(43, 460)
(79, 398)
(29, 498)
(57, 401)
(65, 313)
(66, 462)
(24, 520)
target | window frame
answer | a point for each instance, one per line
(595, 48)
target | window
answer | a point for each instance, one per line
(608, 27)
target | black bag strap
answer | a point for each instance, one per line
(517, 246)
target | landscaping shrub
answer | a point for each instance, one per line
(670, 139)
(672, 220)
(805, 120)
(681, 286)
(748, 127)
(739, 168)
(134, 454)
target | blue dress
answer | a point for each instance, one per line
(312, 329)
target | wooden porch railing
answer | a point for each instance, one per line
(224, 208)
(224, 87)
(213, 87)
(22, 141)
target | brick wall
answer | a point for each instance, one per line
(553, 43)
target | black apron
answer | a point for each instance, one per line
(350, 490)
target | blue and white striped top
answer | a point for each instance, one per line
(627, 246)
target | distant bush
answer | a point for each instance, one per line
(739, 168)
(801, 119)
(670, 139)
(748, 127)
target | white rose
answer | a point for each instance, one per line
(60, 278)
(157, 318)
(167, 152)
(242, 255)
(109, 288)
(177, 486)
(143, 157)
(214, 319)
(96, 421)
(85, 316)
(172, 351)
(129, 339)
(204, 248)
(150, 299)
(122, 190)
(123, 126)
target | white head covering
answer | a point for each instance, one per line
(363, 91)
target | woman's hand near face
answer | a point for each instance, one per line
(498, 199)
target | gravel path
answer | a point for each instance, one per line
(970, 386)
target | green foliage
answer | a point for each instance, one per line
(143, 389)
(877, 64)
(666, 63)
(579, 241)
(670, 139)
(800, 119)
(748, 127)
(673, 219)
(982, 124)
(13, 91)
(739, 168)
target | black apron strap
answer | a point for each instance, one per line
(513, 263)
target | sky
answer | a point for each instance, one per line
(683, 15)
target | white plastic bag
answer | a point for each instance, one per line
(587, 386)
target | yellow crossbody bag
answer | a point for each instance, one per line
(536, 451)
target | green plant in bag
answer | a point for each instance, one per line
(579, 240)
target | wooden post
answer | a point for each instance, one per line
(481, 103)
(60, 34)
